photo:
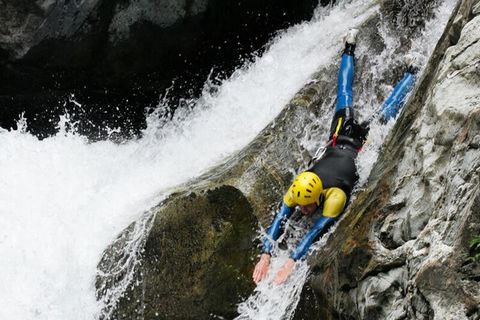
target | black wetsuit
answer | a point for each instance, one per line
(337, 168)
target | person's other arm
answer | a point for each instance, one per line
(273, 233)
(335, 200)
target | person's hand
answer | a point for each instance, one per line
(261, 269)
(283, 274)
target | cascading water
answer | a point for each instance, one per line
(65, 199)
(271, 302)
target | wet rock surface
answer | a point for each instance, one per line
(401, 252)
(194, 265)
(117, 57)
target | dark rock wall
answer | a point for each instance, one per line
(118, 56)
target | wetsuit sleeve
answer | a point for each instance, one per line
(395, 101)
(335, 200)
(320, 225)
(276, 228)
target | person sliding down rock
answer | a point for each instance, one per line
(324, 189)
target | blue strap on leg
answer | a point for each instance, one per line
(275, 229)
(345, 83)
(321, 225)
(395, 101)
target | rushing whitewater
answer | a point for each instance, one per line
(65, 199)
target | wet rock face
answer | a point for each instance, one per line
(195, 260)
(413, 224)
(407, 16)
(118, 56)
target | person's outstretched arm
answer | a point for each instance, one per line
(319, 228)
(276, 228)
(335, 201)
(273, 233)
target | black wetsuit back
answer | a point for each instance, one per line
(337, 168)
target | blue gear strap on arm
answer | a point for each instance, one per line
(275, 229)
(345, 83)
(321, 225)
(394, 102)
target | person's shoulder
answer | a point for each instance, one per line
(288, 199)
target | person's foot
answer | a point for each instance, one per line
(351, 36)
(412, 62)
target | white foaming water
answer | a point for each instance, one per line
(270, 302)
(64, 199)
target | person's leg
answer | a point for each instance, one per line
(391, 107)
(343, 109)
(395, 100)
(345, 79)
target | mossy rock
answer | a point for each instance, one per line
(196, 263)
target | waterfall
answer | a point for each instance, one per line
(65, 199)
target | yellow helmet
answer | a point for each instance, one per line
(306, 189)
